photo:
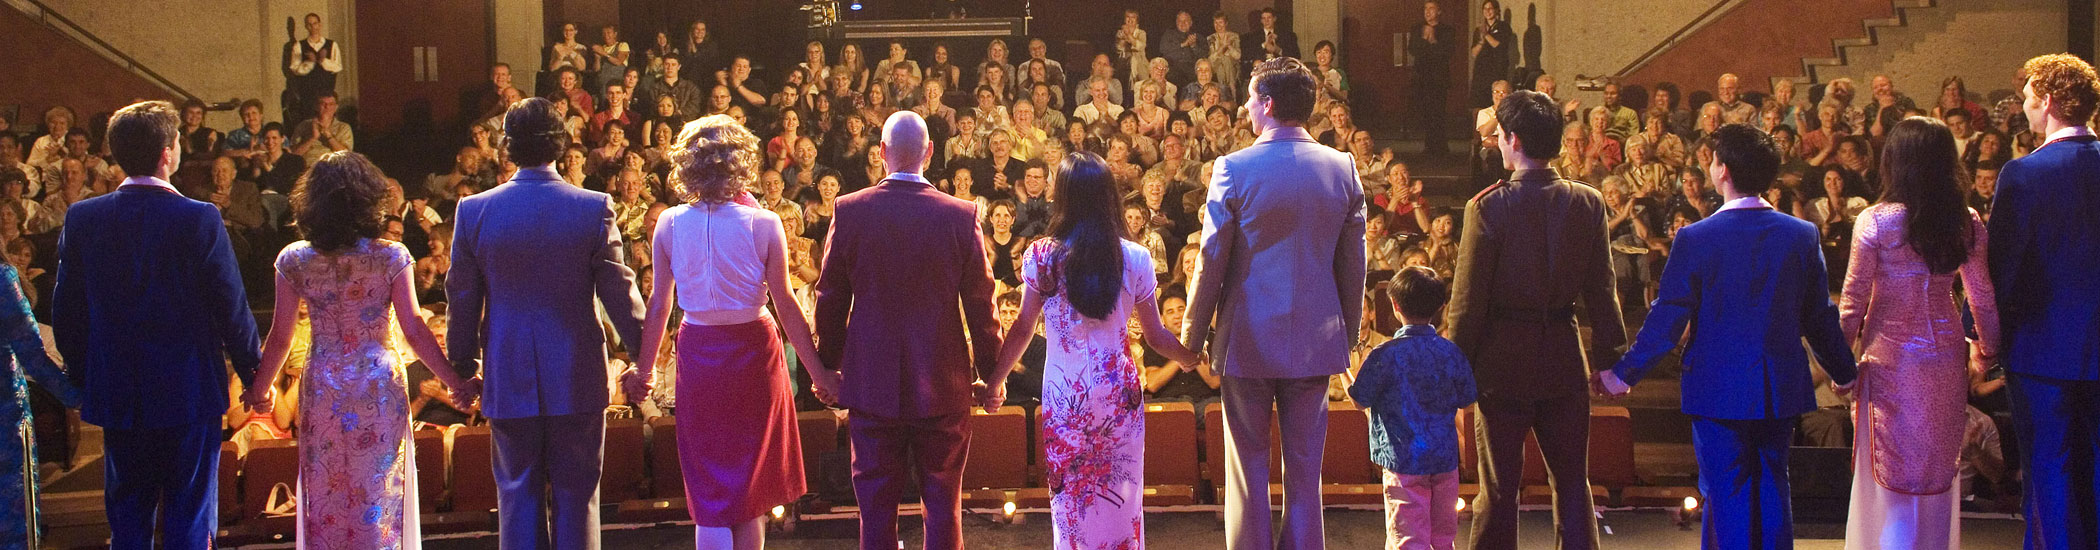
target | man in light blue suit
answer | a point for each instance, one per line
(531, 261)
(1750, 281)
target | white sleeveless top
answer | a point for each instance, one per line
(717, 256)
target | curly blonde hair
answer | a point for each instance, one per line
(714, 158)
(2068, 80)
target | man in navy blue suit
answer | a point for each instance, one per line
(149, 310)
(1750, 280)
(2045, 256)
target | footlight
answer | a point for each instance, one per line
(780, 513)
(1688, 513)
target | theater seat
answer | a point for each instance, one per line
(1346, 472)
(230, 483)
(820, 434)
(1171, 471)
(1611, 448)
(429, 447)
(1214, 451)
(626, 461)
(999, 451)
(473, 473)
(665, 479)
(270, 462)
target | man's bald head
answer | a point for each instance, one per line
(905, 144)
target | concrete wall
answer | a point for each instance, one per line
(520, 25)
(1982, 41)
(217, 49)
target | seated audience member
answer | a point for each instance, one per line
(1032, 200)
(999, 171)
(27, 212)
(801, 175)
(574, 167)
(1412, 385)
(1442, 244)
(1983, 187)
(239, 204)
(1406, 209)
(11, 158)
(322, 134)
(1343, 128)
(1835, 208)
(1101, 70)
(1024, 385)
(1991, 147)
(1146, 148)
(431, 403)
(615, 112)
(608, 157)
(1692, 192)
(1381, 251)
(1164, 379)
(684, 93)
(72, 188)
(1645, 177)
(1001, 246)
(1100, 106)
(438, 262)
(77, 147)
(1604, 152)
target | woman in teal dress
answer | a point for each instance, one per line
(26, 357)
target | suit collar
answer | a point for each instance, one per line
(907, 177)
(1285, 133)
(1535, 175)
(537, 174)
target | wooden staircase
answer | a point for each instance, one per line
(1815, 70)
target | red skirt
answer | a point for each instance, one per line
(737, 441)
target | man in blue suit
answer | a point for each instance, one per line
(149, 308)
(532, 260)
(2045, 262)
(1750, 281)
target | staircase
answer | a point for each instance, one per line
(1878, 32)
(1926, 41)
(1756, 40)
(40, 13)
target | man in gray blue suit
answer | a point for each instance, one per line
(1282, 280)
(528, 257)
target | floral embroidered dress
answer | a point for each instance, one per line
(25, 360)
(1914, 384)
(1093, 418)
(356, 483)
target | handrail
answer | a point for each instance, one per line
(1649, 55)
(46, 15)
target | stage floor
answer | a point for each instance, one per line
(1346, 529)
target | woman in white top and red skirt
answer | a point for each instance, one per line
(721, 257)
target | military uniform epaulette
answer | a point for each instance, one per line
(1490, 189)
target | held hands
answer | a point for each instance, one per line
(465, 393)
(637, 385)
(989, 396)
(825, 384)
(1602, 389)
(1202, 359)
(1978, 362)
(260, 398)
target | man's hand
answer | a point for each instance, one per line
(988, 396)
(637, 385)
(260, 399)
(825, 384)
(1603, 383)
(1978, 362)
(1203, 359)
(463, 396)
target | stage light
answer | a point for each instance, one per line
(1687, 514)
(1009, 508)
(855, 6)
(779, 512)
(1461, 507)
(1691, 503)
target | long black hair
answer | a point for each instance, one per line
(1083, 220)
(1921, 171)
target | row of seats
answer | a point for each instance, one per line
(1184, 465)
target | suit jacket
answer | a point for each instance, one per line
(1280, 288)
(1250, 43)
(2045, 252)
(528, 257)
(1751, 283)
(900, 259)
(149, 309)
(1531, 248)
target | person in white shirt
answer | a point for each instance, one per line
(721, 259)
(1101, 108)
(311, 64)
(322, 134)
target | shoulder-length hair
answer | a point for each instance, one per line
(1085, 221)
(715, 158)
(337, 201)
(1921, 171)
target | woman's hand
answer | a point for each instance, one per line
(260, 398)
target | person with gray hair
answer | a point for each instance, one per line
(909, 372)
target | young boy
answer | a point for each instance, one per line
(1413, 385)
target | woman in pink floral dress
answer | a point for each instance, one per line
(1084, 282)
(357, 482)
(1899, 305)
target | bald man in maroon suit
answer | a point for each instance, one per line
(901, 259)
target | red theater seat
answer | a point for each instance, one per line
(229, 482)
(1171, 471)
(626, 461)
(665, 479)
(820, 434)
(429, 447)
(473, 473)
(999, 451)
(1346, 472)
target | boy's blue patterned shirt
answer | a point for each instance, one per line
(1414, 385)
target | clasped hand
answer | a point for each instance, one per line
(260, 398)
(989, 396)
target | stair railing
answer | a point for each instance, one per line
(1711, 13)
(44, 14)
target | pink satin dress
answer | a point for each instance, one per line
(1914, 383)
